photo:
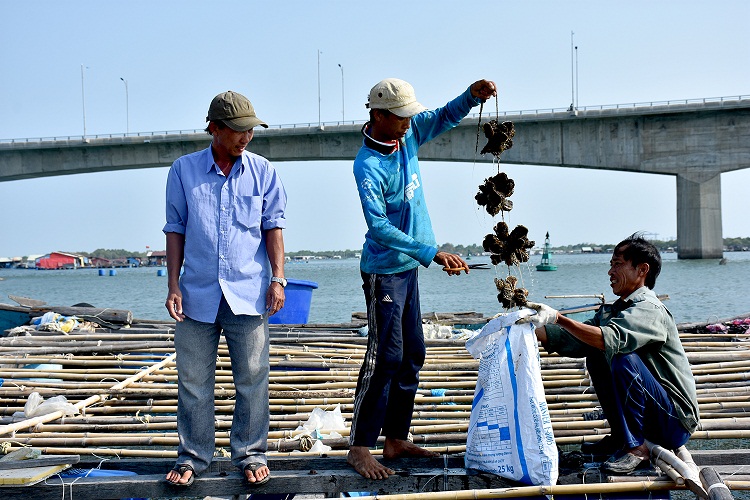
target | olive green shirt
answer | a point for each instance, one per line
(647, 328)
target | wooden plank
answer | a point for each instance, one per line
(90, 313)
(28, 475)
(44, 461)
(26, 301)
(225, 480)
(737, 457)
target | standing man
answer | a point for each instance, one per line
(225, 214)
(635, 359)
(398, 240)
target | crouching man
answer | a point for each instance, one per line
(635, 359)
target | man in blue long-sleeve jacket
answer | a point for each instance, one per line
(399, 239)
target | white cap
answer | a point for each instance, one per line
(396, 96)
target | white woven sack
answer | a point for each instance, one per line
(510, 430)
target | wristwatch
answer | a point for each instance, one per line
(280, 281)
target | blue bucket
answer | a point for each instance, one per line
(297, 305)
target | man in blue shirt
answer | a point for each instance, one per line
(225, 213)
(399, 239)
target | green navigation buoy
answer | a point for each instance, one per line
(546, 265)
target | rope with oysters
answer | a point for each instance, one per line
(510, 247)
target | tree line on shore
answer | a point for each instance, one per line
(731, 244)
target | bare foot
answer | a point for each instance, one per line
(256, 473)
(174, 476)
(396, 448)
(363, 462)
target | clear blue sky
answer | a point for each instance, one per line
(176, 55)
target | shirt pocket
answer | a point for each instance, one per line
(248, 211)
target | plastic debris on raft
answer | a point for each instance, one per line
(499, 137)
(494, 194)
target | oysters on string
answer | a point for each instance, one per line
(508, 295)
(494, 194)
(510, 247)
(499, 137)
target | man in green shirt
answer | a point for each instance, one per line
(635, 359)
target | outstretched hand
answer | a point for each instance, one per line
(544, 315)
(483, 89)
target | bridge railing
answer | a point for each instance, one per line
(321, 125)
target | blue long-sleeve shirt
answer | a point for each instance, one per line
(400, 236)
(224, 220)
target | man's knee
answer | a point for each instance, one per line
(625, 364)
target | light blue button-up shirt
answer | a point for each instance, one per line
(224, 220)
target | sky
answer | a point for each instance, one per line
(66, 63)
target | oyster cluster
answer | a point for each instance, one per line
(511, 248)
(499, 137)
(508, 295)
(494, 193)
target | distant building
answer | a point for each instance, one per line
(100, 262)
(157, 258)
(587, 250)
(30, 261)
(60, 260)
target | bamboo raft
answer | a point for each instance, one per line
(123, 383)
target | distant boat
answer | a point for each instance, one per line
(546, 265)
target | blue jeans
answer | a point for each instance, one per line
(634, 402)
(645, 405)
(196, 344)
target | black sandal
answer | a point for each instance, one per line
(254, 466)
(181, 469)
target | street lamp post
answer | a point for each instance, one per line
(127, 107)
(576, 76)
(572, 76)
(319, 88)
(342, 93)
(83, 102)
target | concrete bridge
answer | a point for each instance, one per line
(695, 141)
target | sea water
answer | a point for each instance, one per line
(698, 290)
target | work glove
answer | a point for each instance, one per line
(542, 315)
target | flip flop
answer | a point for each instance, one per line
(181, 469)
(254, 466)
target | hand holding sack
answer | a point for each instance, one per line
(541, 315)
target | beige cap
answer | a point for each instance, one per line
(235, 111)
(395, 95)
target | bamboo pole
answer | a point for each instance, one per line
(528, 491)
(6, 429)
